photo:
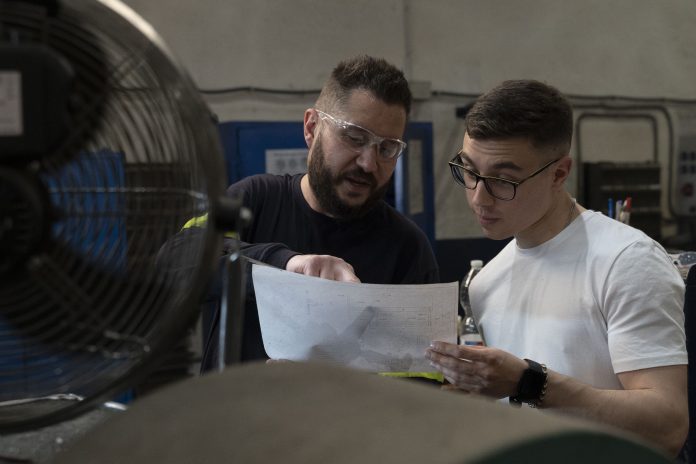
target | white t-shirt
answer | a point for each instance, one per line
(598, 299)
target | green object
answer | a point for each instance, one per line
(424, 375)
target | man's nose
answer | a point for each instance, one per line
(368, 158)
(480, 194)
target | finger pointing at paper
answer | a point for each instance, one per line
(324, 266)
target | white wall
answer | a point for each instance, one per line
(631, 48)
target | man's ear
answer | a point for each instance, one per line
(562, 170)
(310, 126)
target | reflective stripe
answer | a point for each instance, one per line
(202, 221)
(199, 221)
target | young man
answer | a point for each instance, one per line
(580, 313)
(333, 222)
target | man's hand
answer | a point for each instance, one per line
(324, 266)
(477, 369)
(653, 402)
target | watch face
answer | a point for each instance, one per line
(532, 383)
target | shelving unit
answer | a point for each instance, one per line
(616, 181)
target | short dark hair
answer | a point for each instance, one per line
(375, 75)
(523, 108)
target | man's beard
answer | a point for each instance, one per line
(324, 186)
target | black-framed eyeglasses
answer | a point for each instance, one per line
(502, 189)
(358, 138)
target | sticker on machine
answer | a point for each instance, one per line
(10, 103)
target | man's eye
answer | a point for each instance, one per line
(385, 150)
(469, 175)
(355, 137)
(469, 172)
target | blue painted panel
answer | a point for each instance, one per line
(245, 144)
(423, 132)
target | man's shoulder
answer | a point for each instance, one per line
(617, 248)
(611, 237)
(264, 184)
(270, 180)
(596, 221)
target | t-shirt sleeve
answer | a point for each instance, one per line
(643, 303)
(275, 254)
(253, 192)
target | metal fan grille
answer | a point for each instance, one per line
(92, 309)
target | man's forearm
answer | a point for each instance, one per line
(275, 254)
(658, 416)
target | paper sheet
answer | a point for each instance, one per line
(380, 328)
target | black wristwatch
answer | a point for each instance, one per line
(532, 386)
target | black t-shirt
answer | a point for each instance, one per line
(384, 247)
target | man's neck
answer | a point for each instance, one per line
(563, 211)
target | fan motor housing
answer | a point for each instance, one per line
(23, 219)
(35, 83)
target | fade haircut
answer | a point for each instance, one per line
(375, 75)
(523, 108)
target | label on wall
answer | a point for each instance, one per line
(10, 103)
(286, 161)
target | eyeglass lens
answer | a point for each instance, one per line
(358, 139)
(496, 187)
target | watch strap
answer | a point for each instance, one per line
(531, 388)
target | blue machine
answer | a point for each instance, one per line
(279, 147)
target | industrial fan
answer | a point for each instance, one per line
(106, 150)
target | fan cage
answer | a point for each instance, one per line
(94, 309)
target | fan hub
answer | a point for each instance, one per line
(23, 220)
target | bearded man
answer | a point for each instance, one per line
(332, 222)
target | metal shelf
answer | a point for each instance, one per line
(631, 188)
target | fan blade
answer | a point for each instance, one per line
(65, 320)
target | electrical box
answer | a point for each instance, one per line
(684, 185)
